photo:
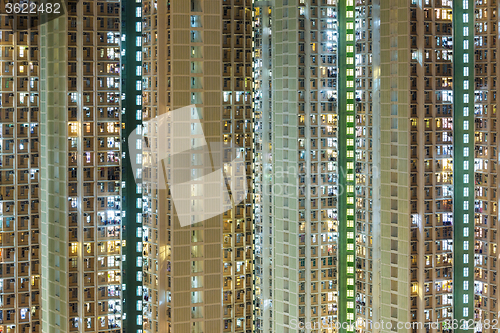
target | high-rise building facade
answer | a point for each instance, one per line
(19, 174)
(382, 128)
(368, 130)
(485, 130)
(307, 133)
(263, 217)
(197, 55)
(80, 164)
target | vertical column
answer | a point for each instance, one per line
(263, 167)
(346, 162)
(376, 173)
(132, 190)
(463, 164)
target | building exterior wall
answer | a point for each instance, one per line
(263, 169)
(20, 174)
(486, 150)
(369, 136)
(81, 169)
(411, 186)
(198, 57)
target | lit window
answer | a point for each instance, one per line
(466, 310)
(466, 285)
(466, 205)
(466, 271)
(138, 100)
(466, 58)
(466, 247)
(466, 138)
(138, 41)
(138, 71)
(138, 12)
(466, 261)
(138, 56)
(466, 232)
(466, 31)
(466, 84)
(466, 71)
(73, 127)
(466, 44)
(138, 85)
(466, 221)
(138, 26)
(466, 191)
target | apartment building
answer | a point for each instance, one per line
(369, 134)
(441, 193)
(19, 174)
(372, 113)
(196, 55)
(301, 148)
(80, 167)
(484, 35)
